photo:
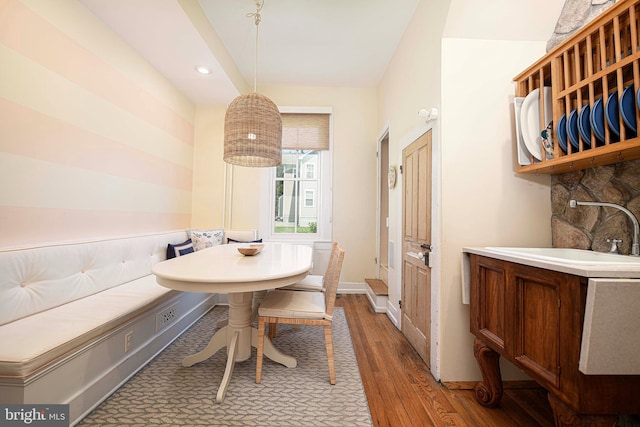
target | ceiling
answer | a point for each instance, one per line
(301, 42)
(345, 43)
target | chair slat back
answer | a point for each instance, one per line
(332, 279)
(334, 247)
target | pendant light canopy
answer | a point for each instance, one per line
(252, 124)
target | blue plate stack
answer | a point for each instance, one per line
(561, 132)
(572, 129)
(581, 123)
(597, 121)
(626, 108)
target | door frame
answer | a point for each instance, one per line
(436, 238)
(380, 173)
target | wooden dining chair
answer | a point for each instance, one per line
(302, 308)
(311, 283)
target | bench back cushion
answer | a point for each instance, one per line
(38, 278)
(240, 235)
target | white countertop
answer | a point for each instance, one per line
(572, 261)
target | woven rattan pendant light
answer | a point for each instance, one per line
(252, 124)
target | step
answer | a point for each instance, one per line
(378, 287)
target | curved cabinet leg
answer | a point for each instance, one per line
(564, 416)
(489, 391)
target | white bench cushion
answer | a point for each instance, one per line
(36, 279)
(34, 341)
(240, 235)
(58, 296)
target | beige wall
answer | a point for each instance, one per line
(93, 141)
(411, 82)
(482, 200)
(354, 171)
(208, 168)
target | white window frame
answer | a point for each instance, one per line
(324, 197)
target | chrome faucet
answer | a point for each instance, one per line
(614, 245)
(635, 248)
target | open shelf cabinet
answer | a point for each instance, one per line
(593, 66)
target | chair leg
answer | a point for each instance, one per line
(328, 338)
(272, 330)
(260, 350)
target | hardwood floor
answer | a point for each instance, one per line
(402, 392)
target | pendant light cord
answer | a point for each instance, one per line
(257, 17)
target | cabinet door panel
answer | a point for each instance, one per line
(490, 296)
(537, 305)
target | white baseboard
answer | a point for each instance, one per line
(393, 314)
(378, 302)
(352, 288)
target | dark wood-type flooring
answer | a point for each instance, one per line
(402, 392)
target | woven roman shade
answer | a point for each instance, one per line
(301, 131)
(253, 132)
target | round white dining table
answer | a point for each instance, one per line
(222, 269)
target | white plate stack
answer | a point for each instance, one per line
(530, 125)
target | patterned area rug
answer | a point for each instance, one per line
(166, 393)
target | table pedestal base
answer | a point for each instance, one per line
(238, 337)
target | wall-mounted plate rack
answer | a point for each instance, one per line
(596, 66)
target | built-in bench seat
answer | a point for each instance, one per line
(58, 331)
(77, 319)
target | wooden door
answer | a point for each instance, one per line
(416, 274)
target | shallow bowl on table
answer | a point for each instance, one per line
(251, 250)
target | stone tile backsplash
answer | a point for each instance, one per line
(589, 227)
(574, 14)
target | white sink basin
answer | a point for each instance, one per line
(570, 256)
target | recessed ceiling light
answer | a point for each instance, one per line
(203, 70)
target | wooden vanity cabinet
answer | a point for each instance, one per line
(534, 318)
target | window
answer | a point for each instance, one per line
(309, 199)
(294, 214)
(299, 205)
(310, 170)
